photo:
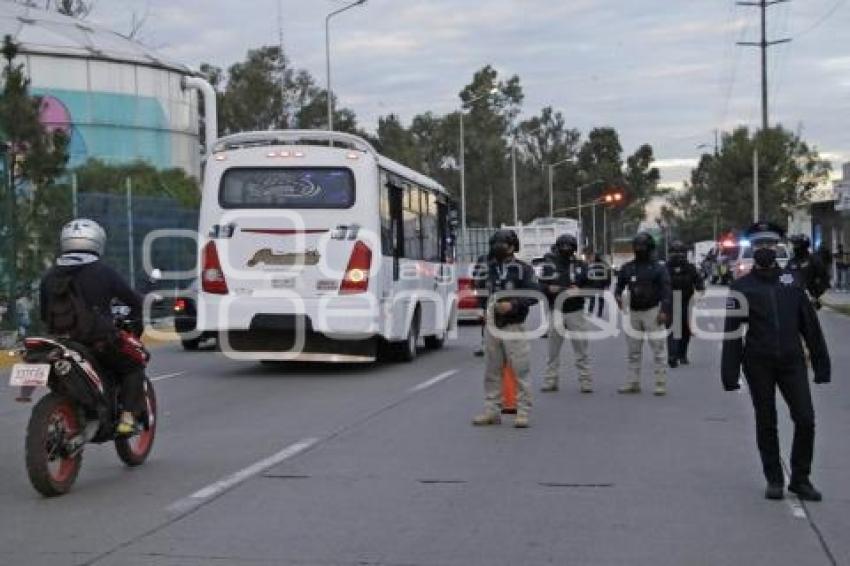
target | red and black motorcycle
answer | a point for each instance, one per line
(82, 407)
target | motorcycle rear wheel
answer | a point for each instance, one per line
(134, 450)
(53, 422)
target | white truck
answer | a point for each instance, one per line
(537, 237)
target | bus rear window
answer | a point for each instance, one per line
(287, 187)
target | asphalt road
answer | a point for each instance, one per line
(378, 465)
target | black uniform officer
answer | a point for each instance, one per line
(507, 287)
(777, 312)
(685, 280)
(563, 275)
(649, 302)
(808, 270)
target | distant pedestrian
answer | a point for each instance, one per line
(777, 313)
(479, 278)
(841, 269)
(22, 313)
(599, 278)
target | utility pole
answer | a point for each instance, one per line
(764, 44)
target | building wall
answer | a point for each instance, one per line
(118, 112)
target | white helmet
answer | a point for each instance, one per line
(82, 235)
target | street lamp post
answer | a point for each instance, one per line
(578, 203)
(552, 184)
(462, 152)
(328, 59)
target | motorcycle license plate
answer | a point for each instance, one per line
(29, 375)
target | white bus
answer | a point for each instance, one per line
(314, 247)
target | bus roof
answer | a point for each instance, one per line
(339, 140)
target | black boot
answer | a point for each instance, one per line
(774, 491)
(673, 362)
(805, 491)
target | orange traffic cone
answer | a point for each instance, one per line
(508, 390)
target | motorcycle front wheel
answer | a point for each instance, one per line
(53, 422)
(134, 450)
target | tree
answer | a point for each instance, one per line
(33, 157)
(98, 176)
(265, 92)
(720, 190)
(73, 8)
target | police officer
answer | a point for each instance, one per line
(564, 275)
(504, 339)
(685, 280)
(778, 313)
(649, 303)
(808, 270)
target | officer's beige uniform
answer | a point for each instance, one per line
(575, 324)
(514, 351)
(644, 323)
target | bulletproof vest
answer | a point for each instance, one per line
(643, 286)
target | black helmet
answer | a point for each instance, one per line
(678, 247)
(514, 240)
(503, 238)
(566, 241)
(800, 241)
(644, 240)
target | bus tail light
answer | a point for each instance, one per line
(356, 279)
(212, 276)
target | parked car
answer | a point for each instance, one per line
(468, 307)
(186, 318)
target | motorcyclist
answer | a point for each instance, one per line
(808, 270)
(76, 302)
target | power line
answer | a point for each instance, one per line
(824, 18)
(764, 44)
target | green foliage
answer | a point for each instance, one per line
(100, 177)
(33, 157)
(720, 188)
(265, 92)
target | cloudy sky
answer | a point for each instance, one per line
(665, 72)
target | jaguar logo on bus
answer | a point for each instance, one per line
(266, 256)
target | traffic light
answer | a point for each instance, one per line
(614, 197)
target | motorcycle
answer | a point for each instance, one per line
(82, 407)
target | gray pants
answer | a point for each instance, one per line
(576, 325)
(644, 324)
(514, 351)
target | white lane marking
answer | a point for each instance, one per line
(433, 381)
(215, 489)
(796, 508)
(168, 376)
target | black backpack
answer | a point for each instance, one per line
(67, 312)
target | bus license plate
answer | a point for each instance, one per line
(29, 375)
(283, 283)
